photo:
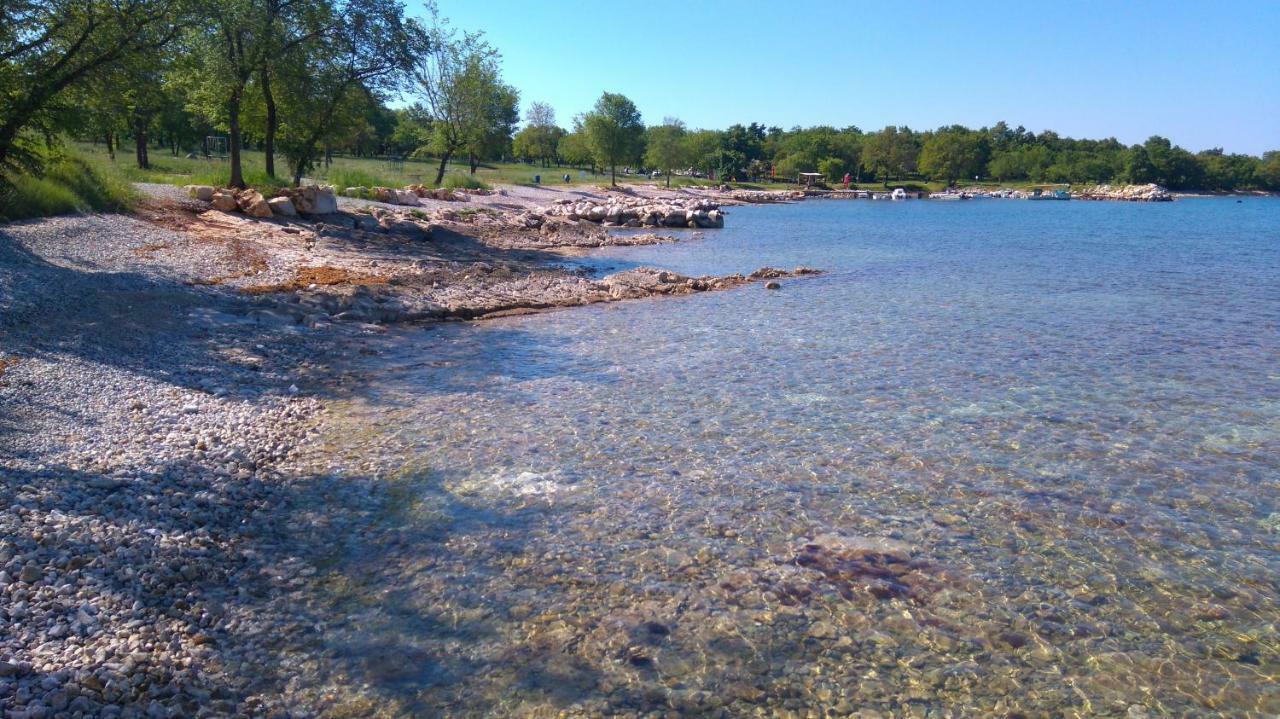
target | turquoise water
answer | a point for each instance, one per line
(1003, 459)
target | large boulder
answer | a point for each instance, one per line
(405, 197)
(675, 218)
(224, 200)
(253, 204)
(316, 200)
(282, 206)
(203, 193)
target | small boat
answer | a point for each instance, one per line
(948, 196)
(898, 194)
(1055, 195)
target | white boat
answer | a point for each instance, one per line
(947, 196)
(898, 194)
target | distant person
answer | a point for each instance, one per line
(846, 180)
(566, 178)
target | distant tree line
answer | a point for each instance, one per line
(302, 79)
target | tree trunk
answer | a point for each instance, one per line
(444, 163)
(269, 141)
(668, 179)
(473, 162)
(233, 112)
(111, 148)
(140, 143)
(613, 175)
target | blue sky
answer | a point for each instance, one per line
(1204, 74)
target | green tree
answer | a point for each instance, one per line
(455, 79)
(951, 154)
(540, 137)
(700, 149)
(615, 132)
(286, 26)
(1268, 172)
(364, 55)
(665, 147)
(228, 46)
(833, 168)
(412, 129)
(48, 46)
(496, 112)
(575, 149)
(891, 153)
(1139, 169)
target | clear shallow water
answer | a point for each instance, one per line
(1004, 459)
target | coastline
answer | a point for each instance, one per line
(162, 389)
(168, 456)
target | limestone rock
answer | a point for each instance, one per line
(1128, 193)
(253, 204)
(224, 200)
(282, 206)
(315, 200)
(203, 193)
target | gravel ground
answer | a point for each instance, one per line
(148, 437)
(161, 472)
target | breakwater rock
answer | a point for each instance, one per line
(1129, 193)
(639, 212)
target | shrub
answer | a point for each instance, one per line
(67, 184)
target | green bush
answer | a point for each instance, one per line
(67, 184)
(463, 182)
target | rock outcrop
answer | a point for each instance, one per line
(1127, 193)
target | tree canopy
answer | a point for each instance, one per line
(615, 132)
(666, 149)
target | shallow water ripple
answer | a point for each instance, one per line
(1004, 460)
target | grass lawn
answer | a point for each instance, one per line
(344, 172)
(67, 183)
(370, 172)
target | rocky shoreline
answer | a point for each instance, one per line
(162, 380)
